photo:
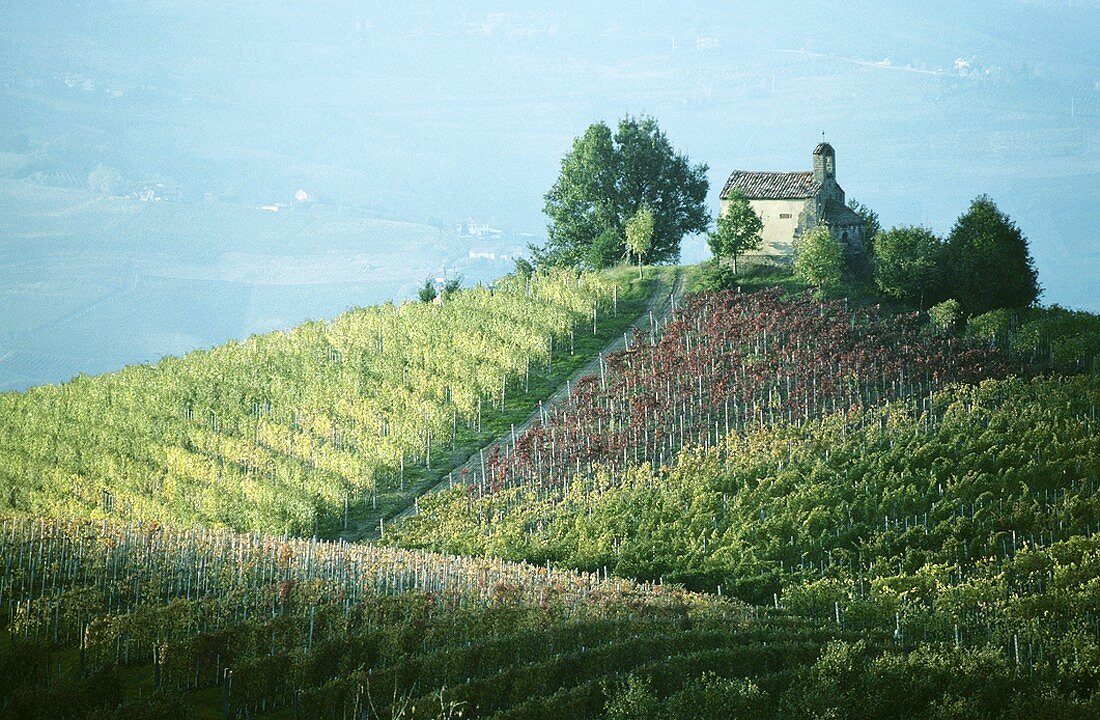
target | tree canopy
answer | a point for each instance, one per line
(871, 224)
(605, 179)
(737, 230)
(906, 263)
(819, 258)
(987, 263)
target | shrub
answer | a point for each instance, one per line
(945, 316)
(714, 275)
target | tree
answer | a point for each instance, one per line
(987, 263)
(605, 251)
(871, 224)
(427, 291)
(606, 178)
(737, 230)
(861, 263)
(524, 268)
(639, 234)
(451, 287)
(819, 258)
(906, 263)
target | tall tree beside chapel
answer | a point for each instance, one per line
(737, 230)
(605, 179)
(987, 263)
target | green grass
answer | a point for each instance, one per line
(858, 291)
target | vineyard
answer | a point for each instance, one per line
(308, 431)
(330, 627)
(141, 621)
(729, 361)
(765, 506)
(971, 517)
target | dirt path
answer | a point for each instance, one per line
(668, 290)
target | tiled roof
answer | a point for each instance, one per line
(772, 185)
(840, 214)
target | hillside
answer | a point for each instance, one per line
(319, 627)
(312, 431)
(977, 501)
(854, 471)
(140, 621)
(771, 506)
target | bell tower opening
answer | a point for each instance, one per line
(824, 163)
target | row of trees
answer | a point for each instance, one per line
(984, 263)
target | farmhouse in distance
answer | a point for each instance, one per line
(791, 203)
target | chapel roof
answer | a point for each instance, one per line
(772, 185)
(837, 213)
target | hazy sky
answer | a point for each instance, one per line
(438, 113)
(434, 110)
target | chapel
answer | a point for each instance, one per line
(791, 203)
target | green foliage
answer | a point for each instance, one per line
(523, 267)
(450, 288)
(607, 249)
(987, 263)
(819, 258)
(906, 263)
(606, 178)
(951, 514)
(871, 225)
(860, 263)
(311, 430)
(994, 326)
(1068, 340)
(639, 233)
(945, 316)
(427, 292)
(631, 699)
(852, 680)
(737, 231)
(714, 276)
(713, 696)
(67, 698)
(336, 629)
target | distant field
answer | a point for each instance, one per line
(89, 283)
